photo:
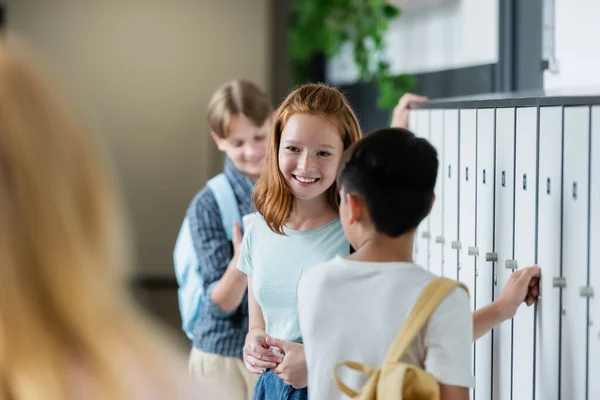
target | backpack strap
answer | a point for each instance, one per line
(228, 207)
(428, 301)
(431, 297)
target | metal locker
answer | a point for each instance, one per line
(436, 136)
(413, 125)
(574, 252)
(524, 247)
(450, 203)
(548, 257)
(466, 213)
(594, 283)
(484, 273)
(423, 233)
(504, 224)
(466, 205)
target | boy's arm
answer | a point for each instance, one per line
(450, 392)
(228, 292)
(224, 285)
(522, 286)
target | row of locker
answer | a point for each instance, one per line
(516, 187)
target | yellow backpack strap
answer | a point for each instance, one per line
(431, 297)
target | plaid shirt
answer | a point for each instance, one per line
(217, 331)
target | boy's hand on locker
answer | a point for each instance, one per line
(292, 371)
(257, 353)
(522, 286)
(401, 111)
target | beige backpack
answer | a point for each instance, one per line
(396, 380)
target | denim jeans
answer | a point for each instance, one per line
(270, 387)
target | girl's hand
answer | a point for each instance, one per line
(292, 371)
(257, 355)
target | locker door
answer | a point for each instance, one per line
(594, 323)
(504, 223)
(450, 203)
(436, 135)
(466, 214)
(524, 244)
(549, 217)
(575, 252)
(484, 274)
(423, 233)
(466, 200)
(413, 125)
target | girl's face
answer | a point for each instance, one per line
(309, 153)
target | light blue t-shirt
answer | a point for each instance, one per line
(276, 264)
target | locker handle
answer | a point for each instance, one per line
(491, 257)
(426, 235)
(586, 291)
(510, 264)
(440, 239)
(456, 245)
(548, 186)
(559, 282)
(484, 176)
(467, 174)
(524, 181)
(503, 178)
(575, 190)
(473, 251)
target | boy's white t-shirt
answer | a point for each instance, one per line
(352, 311)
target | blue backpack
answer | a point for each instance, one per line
(187, 267)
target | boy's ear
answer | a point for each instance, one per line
(432, 203)
(356, 208)
(220, 142)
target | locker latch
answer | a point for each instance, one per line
(586, 291)
(426, 235)
(511, 264)
(491, 257)
(473, 251)
(559, 282)
(456, 245)
(440, 239)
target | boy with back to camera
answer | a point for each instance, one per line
(353, 308)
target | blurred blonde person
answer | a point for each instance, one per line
(68, 329)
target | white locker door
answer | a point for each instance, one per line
(525, 204)
(575, 252)
(423, 233)
(484, 274)
(466, 214)
(436, 135)
(413, 125)
(504, 223)
(549, 217)
(594, 323)
(450, 203)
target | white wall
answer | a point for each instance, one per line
(577, 50)
(452, 34)
(143, 71)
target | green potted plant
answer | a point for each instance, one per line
(324, 26)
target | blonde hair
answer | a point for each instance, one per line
(63, 286)
(237, 97)
(272, 197)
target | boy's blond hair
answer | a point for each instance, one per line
(237, 97)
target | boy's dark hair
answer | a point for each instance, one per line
(394, 172)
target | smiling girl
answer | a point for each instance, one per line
(298, 226)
